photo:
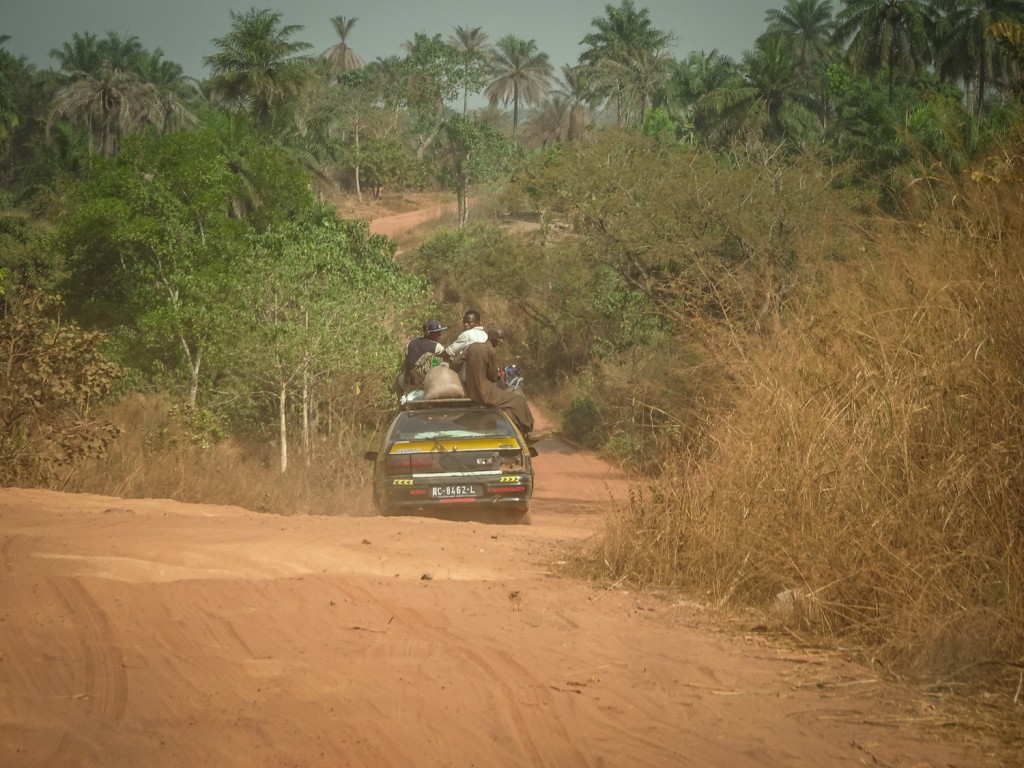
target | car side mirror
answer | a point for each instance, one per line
(533, 452)
(370, 455)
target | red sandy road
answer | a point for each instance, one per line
(149, 632)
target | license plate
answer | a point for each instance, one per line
(452, 491)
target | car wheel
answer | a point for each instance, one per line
(523, 518)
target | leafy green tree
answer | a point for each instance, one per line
(472, 153)
(334, 118)
(316, 301)
(431, 76)
(885, 35)
(340, 57)
(628, 57)
(386, 162)
(522, 75)
(151, 243)
(257, 68)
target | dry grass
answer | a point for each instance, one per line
(874, 460)
(161, 456)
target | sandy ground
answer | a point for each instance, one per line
(148, 632)
(155, 633)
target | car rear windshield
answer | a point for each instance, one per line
(428, 425)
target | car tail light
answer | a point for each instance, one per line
(407, 463)
(507, 489)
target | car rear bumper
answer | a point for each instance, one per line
(403, 493)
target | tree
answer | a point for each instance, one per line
(340, 58)
(698, 74)
(472, 152)
(85, 53)
(471, 42)
(387, 163)
(431, 75)
(551, 123)
(576, 89)
(12, 71)
(808, 25)
(152, 240)
(521, 74)
(257, 68)
(770, 103)
(306, 286)
(110, 105)
(963, 51)
(889, 35)
(628, 57)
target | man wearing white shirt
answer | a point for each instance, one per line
(472, 333)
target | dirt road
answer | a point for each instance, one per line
(155, 633)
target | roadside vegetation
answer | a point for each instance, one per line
(785, 292)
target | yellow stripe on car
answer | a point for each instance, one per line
(434, 446)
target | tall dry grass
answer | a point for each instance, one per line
(162, 454)
(872, 467)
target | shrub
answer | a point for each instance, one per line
(582, 423)
(874, 456)
(52, 377)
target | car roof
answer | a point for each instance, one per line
(454, 421)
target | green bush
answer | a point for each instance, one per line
(582, 423)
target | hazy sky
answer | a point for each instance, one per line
(184, 28)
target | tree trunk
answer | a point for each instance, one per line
(461, 193)
(282, 402)
(194, 362)
(305, 418)
(359, 191)
(576, 125)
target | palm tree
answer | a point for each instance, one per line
(808, 25)
(87, 53)
(469, 39)
(887, 35)
(962, 50)
(341, 58)
(472, 43)
(575, 88)
(522, 75)
(110, 105)
(702, 72)
(628, 57)
(552, 122)
(80, 54)
(11, 71)
(770, 103)
(257, 66)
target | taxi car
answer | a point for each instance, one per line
(440, 455)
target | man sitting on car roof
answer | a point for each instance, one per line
(481, 371)
(429, 343)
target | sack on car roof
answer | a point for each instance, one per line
(442, 383)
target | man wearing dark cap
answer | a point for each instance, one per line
(428, 343)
